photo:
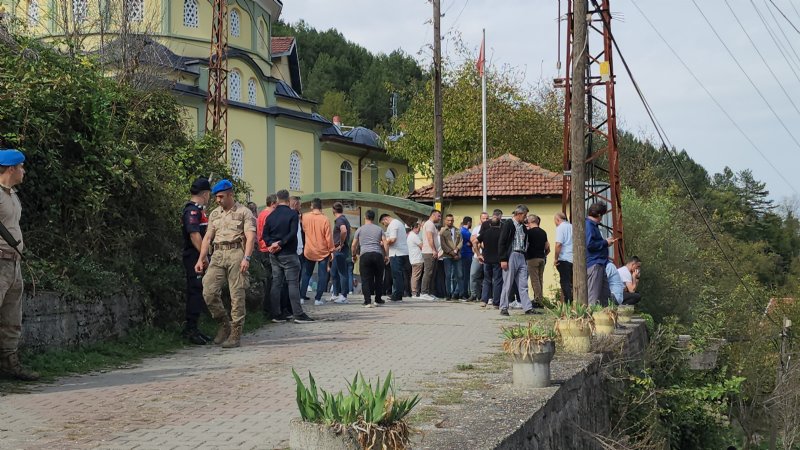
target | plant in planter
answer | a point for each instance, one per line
(605, 318)
(625, 313)
(364, 417)
(575, 324)
(531, 348)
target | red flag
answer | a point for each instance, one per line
(480, 65)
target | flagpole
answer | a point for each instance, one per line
(483, 118)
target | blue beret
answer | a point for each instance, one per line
(11, 157)
(222, 185)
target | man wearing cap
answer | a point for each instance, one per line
(194, 222)
(232, 230)
(11, 174)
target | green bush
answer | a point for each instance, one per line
(108, 170)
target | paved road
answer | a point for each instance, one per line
(244, 398)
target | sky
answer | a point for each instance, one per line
(763, 99)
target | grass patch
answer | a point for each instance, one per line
(139, 343)
(425, 414)
(449, 397)
(465, 367)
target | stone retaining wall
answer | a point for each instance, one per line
(52, 321)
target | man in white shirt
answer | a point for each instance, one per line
(414, 243)
(563, 255)
(397, 249)
(630, 273)
(476, 267)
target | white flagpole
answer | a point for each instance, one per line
(483, 110)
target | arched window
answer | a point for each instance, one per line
(190, 14)
(33, 13)
(237, 159)
(234, 85)
(251, 91)
(391, 176)
(235, 23)
(80, 9)
(135, 10)
(294, 171)
(262, 34)
(346, 176)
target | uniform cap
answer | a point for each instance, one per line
(201, 184)
(222, 185)
(11, 157)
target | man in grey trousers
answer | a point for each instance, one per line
(512, 246)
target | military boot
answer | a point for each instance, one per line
(10, 367)
(235, 336)
(223, 331)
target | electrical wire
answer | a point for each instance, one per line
(761, 55)
(713, 98)
(664, 140)
(744, 72)
(778, 44)
(780, 28)
(785, 17)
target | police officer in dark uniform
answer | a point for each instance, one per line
(194, 222)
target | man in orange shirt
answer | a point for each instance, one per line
(317, 250)
(270, 308)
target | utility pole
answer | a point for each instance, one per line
(438, 127)
(217, 98)
(783, 366)
(580, 57)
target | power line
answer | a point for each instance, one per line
(764, 60)
(785, 17)
(662, 136)
(744, 72)
(778, 44)
(713, 98)
(780, 28)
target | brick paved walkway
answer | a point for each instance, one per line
(244, 398)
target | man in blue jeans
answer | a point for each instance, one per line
(340, 272)
(280, 235)
(488, 240)
(398, 254)
(451, 252)
(466, 259)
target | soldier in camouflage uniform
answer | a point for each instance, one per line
(11, 174)
(232, 234)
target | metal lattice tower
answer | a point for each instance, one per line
(602, 155)
(217, 99)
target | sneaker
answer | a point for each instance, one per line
(415, 295)
(380, 301)
(368, 305)
(303, 318)
(280, 319)
(465, 300)
(397, 300)
(194, 337)
(319, 302)
(302, 301)
(496, 306)
(515, 305)
(428, 297)
(483, 305)
(504, 312)
(531, 312)
(341, 300)
(336, 297)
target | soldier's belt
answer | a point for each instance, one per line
(9, 255)
(228, 245)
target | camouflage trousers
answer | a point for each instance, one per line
(225, 266)
(10, 305)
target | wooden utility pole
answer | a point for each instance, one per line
(783, 367)
(438, 127)
(577, 137)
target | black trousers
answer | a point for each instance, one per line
(631, 298)
(565, 274)
(371, 266)
(267, 303)
(194, 290)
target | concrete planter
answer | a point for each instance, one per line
(532, 369)
(318, 436)
(604, 323)
(576, 336)
(625, 313)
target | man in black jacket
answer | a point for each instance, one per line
(280, 235)
(512, 246)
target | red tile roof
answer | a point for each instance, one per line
(506, 176)
(281, 44)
